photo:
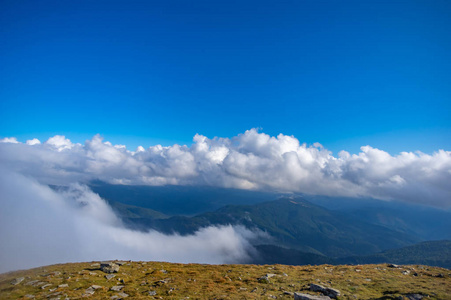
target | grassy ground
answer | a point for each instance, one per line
(159, 280)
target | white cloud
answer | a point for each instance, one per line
(39, 226)
(11, 140)
(33, 142)
(251, 160)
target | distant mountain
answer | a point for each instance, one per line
(424, 222)
(178, 200)
(432, 253)
(295, 223)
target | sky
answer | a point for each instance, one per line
(345, 74)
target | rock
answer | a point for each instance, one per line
(299, 296)
(405, 272)
(45, 286)
(117, 288)
(109, 267)
(120, 262)
(152, 293)
(95, 266)
(17, 280)
(288, 293)
(89, 291)
(122, 295)
(264, 279)
(96, 287)
(63, 285)
(32, 283)
(330, 292)
(109, 276)
(29, 296)
(414, 296)
(393, 266)
(270, 275)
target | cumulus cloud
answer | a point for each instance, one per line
(252, 160)
(40, 226)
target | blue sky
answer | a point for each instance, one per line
(342, 73)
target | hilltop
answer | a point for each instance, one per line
(161, 280)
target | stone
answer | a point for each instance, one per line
(17, 280)
(122, 295)
(109, 267)
(405, 272)
(117, 288)
(264, 279)
(63, 285)
(330, 292)
(393, 266)
(109, 276)
(300, 296)
(32, 283)
(152, 293)
(45, 286)
(414, 296)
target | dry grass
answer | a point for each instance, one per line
(196, 281)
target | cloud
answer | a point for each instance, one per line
(252, 160)
(40, 226)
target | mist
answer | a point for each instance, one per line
(40, 226)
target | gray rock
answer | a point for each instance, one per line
(90, 291)
(109, 276)
(152, 293)
(414, 296)
(109, 267)
(406, 272)
(117, 288)
(29, 296)
(393, 266)
(17, 280)
(330, 292)
(32, 283)
(96, 287)
(299, 296)
(63, 285)
(122, 295)
(45, 286)
(264, 279)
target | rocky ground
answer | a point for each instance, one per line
(159, 280)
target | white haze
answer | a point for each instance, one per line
(39, 226)
(251, 160)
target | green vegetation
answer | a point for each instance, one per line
(159, 280)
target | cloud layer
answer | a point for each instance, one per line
(252, 160)
(39, 226)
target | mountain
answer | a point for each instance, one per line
(294, 223)
(178, 200)
(432, 253)
(423, 222)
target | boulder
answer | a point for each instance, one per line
(300, 296)
(109, 267)
(17, 280)
(330, 292)
(117, 288)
